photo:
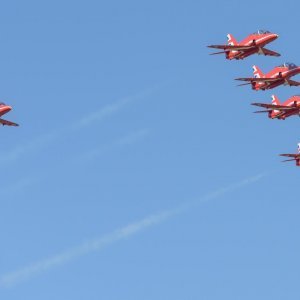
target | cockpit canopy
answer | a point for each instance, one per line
(288, 65)
(2, 104)
(261, 31)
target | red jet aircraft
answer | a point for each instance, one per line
(279, 111)
(295, 157)
(3, 110)
(254, 43)
(278, 76)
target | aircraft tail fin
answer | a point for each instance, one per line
(298, 147)
(257, 72)
(231, 40)
(275, 100)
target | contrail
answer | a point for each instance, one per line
(34, 144)
(13, 278)
(127, 139)
(112, 108)
(132, 137)
(87, 120)
(102, 113)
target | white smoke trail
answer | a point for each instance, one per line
(132, 137)
(112, 108)
(126, 140)
(26, 147)
(87, 120)
(15, 277)
(97, 244)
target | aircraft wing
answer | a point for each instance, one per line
(253, 79)
(292, 82)
(270, 52)
(8, 123)
(276, 107)
(291, 155)
(231, 47)
(293, 159)
(2, 113)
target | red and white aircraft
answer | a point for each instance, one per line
(3, 110)
(290, 107)
(278, 76)
(294, 157)
(254, 43)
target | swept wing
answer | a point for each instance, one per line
(268, 52)
(232, 47)
(276, 107)
(8, 123)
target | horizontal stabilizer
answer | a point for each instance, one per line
(244, 84)
(288, 160)
(221, 52)
(262, 111)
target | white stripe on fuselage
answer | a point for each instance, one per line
(274, 76)
(258, 40)
(247, 44)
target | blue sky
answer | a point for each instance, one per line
(139, 170)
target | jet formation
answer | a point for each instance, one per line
(280, 75)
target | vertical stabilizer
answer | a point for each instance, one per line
(257, 72)
(231, 40)
(275, 100)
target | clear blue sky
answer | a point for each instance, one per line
(124, 115)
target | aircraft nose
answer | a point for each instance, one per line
(7, 108)
(272, 36)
